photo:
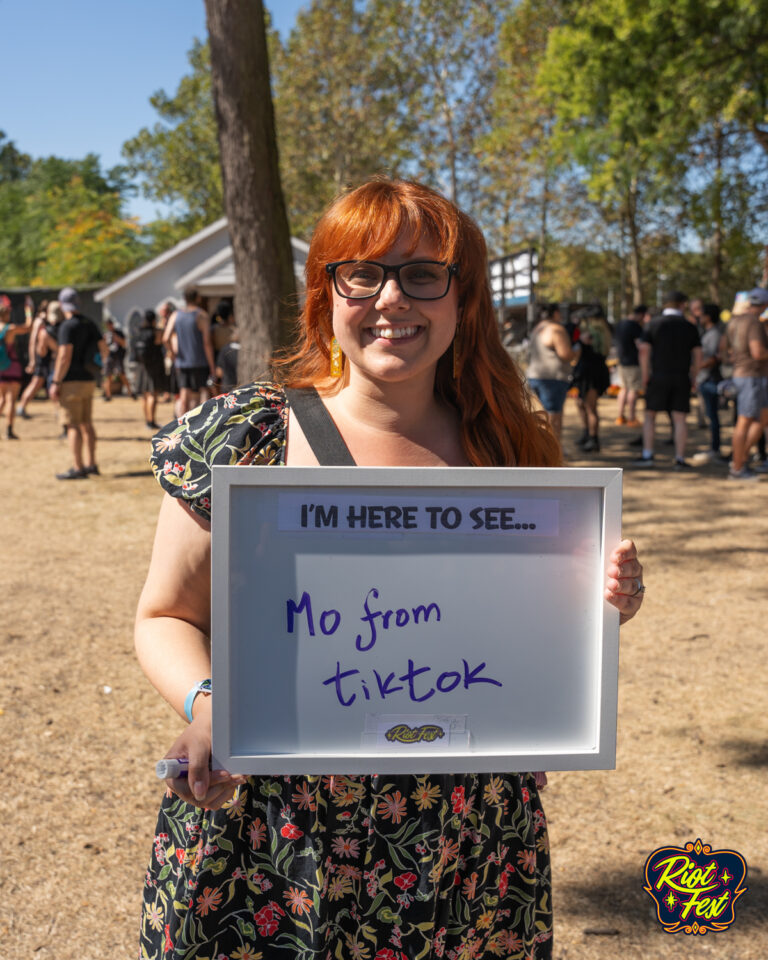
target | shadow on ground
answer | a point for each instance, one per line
(747, 752)
(618, 904)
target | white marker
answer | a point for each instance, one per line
(172, 768)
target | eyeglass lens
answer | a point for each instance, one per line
(420, 280)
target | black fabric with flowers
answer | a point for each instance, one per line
(376, 868)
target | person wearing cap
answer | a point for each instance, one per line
(670, 356)
(73, 383)
(747, 343)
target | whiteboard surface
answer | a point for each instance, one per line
(502, 633)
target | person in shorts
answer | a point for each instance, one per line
(73, 383)
(747, 342)
(549, 370)
(670, 356)
(627, 336)
(190, 330)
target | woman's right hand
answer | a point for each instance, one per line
(202, 787)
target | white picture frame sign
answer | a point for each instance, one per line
(396, 619)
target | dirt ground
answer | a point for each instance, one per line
(82, 728)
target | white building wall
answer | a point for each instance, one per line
(157, 285)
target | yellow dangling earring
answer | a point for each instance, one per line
(337, 358)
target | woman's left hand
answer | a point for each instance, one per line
(624, 586)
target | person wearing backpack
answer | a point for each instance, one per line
(10, 365)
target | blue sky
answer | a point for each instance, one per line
(77, 76)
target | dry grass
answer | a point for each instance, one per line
(80, 798)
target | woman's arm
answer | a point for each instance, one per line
(172, 641)
(561, 344)
(32, 352)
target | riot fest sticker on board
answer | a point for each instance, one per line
(695, 888)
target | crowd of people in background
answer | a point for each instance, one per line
(687, 349)
(178, 353)
(185, 353)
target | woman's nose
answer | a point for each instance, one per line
(390, 294)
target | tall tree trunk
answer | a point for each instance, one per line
(716, 267)
(635, 266)
(624, 305)
(543, 220)
(265, 288)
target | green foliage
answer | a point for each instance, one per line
(62, 221)
(586, 128)
(451, 47)
(632, 87)
(177, 161)
(341, 89)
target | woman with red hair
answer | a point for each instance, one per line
(398, 344)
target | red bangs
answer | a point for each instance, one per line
(368, 222)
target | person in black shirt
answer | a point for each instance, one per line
(151, 378)
(670, 356)
(114, 338)
(74, 382)
(626, 336)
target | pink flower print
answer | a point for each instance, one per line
(346, 847)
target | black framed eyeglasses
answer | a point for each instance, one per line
(418, 279)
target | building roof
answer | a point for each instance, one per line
(215, 272)
(219, 269)
(175, 251)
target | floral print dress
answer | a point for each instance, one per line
(388, 867)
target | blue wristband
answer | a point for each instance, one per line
(204, 686)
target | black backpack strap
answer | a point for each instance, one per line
(321, 432)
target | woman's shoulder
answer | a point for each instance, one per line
(246, 426)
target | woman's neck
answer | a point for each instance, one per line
(397, 423)
(393, 408)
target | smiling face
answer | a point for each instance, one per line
(391, 337)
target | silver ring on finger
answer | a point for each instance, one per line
(639, 588)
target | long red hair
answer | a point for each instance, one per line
(499, 426)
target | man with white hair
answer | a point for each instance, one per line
(747, 341)
(74, 383)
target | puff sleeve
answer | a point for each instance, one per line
(243, 427)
